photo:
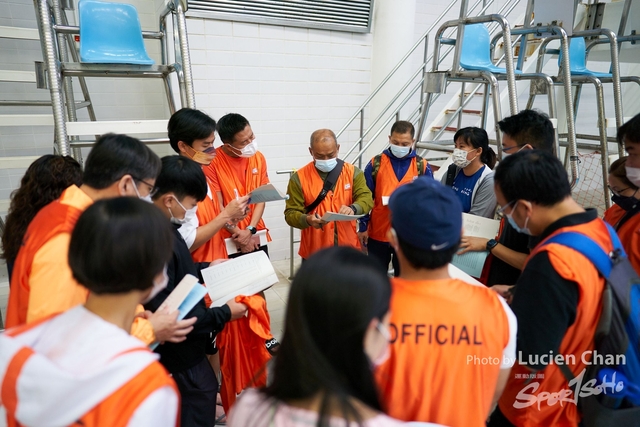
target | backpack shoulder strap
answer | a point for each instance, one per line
(329, 183)
(376, 166)
(451, 175)
(587, 247)
(420, 165)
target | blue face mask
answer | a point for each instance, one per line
(398, 151)
(524, 229)
(326, 165)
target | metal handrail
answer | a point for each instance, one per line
(291, 239)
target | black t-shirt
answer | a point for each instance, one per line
(501, 273)
(545, 303)
(188, 353)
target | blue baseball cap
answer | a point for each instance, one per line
(426, 214)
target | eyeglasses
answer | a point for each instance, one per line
(511, 148)
(152, 188)
(617, 193)
(502, 209)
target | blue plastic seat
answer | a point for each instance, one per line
(476, 50)
(578, 59)
(110, 33)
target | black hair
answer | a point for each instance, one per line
(478, 138)
(629, 131)
(403, 126)
(533, 175)
(119, 245)
(187, 125)
(334, 296)
(530, 127)
(182, 177)
(229, 125)
(114, 156)
(422, 258)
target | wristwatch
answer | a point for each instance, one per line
(252, 229)
(491, 244)
(353, 208)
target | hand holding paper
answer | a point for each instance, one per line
(333, 216)
(267, 193)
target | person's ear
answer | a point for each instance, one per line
(124, 186)
(527, 147)
(167, 200)
(181, 147)
(311, 152)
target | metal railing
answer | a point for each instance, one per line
(292, 240)
(388, 113)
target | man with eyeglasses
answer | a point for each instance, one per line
(527, 130)
(558, 296)
(42, 283)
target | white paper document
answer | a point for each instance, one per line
(245, 275)
(332, 216)
(471, 263)
(267, 193)
(260, 237)
(456, 273)
(183, 298)
(385, 200)
(478, 226)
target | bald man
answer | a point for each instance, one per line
(326, 184)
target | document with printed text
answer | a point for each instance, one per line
(267, 193)
(472, 263)
(245, 275)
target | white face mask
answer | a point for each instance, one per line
(146, 198)
(633, 175)
(158, 286)
(326, 165)
(250, 149)
(460, 158)
(175, 220)
(398, 151)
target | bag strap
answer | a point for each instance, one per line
(603, 263)
(375, 167)
(329, 183)
(451, 175)
(420, 165)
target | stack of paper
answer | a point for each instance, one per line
(260, 237)
(245, 275)
(333, 216)
(267, 193)
(475, 226)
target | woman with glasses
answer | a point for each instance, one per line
(623, 214)
(336, 332)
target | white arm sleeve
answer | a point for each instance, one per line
(188, 229)
(509, 352)
(160, 409)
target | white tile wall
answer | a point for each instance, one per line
(286, 81)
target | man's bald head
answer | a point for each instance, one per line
(323, 144)
(322, 136)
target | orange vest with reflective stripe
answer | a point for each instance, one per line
(629, 235)
(578, 340)
(115, 411)
(214, 248)
(338, 233)
(53, 219)
(228, 181)
(447, 340)
(386, 183)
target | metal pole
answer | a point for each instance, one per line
(53, 72)
(460, 36)
(291, 240)
(184, 51)
(604, 144)
(571, 131)
(361, 137)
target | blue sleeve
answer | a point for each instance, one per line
(363, 223)
(428, 172)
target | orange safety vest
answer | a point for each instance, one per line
(577, 341)
(629, 235)
(229, 181)
(447, 342)
(214, 248)
(53, 219)
(115, 411)
(386, 183)
(339, 233)
(243, 352)
(613, 215)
